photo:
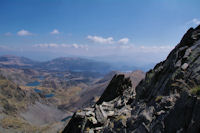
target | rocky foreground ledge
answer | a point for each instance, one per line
(166, 101)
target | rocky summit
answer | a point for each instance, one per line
(166, 101)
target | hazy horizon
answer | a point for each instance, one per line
(132, 32)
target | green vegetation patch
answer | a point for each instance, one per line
(120, 117)
(21, 125)
(158, 98)
(195, 91)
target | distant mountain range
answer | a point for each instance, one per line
(75, 64)
(58, 64)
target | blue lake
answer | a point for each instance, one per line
(35, 83)
(37, 90)
(46, 95)
(49, 95)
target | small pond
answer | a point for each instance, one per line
(35, 83)
(37, 90)
(49, 95)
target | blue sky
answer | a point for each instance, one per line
(142, 31)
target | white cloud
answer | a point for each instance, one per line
(23, 33)
(164, 48)
(54, 45)
(109, 40)
(125, 46)
(54, 32)
(123, 41)
(98, 39)
(141, 53)
(75, 45)
(143, 49)
(46, 45)
(195, 21)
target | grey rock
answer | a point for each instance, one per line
(100, 115)
(93, 120)
(184, 66)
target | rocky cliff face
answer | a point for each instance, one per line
(166, 101)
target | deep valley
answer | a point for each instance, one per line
(50, 95)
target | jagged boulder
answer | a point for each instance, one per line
(116, 88)
(110, 104)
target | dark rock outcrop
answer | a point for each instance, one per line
(179, 71)
(116, 88)
(166, 101)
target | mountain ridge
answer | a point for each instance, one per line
(167, 100)
(58, 64)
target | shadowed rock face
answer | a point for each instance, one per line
(116, 88)
(166, 101)
(179, 71)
